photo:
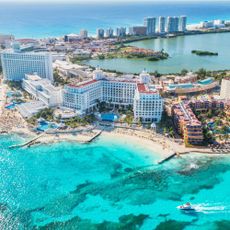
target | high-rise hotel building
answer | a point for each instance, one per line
(161, 24)
(100, 33)
(16, 64)
(145, 99)
(182, 23)
(172, 24)
(150, 24)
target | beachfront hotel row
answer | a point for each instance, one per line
(145, 98)
(85, 96)
(35, 71)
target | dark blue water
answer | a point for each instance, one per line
(44, 20)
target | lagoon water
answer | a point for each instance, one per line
(109, 184)
(179, 49)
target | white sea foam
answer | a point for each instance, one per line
(207, 208)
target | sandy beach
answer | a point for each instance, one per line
(149, 140)
(52, 138)
(154, 142)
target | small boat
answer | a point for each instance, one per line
(186, 207)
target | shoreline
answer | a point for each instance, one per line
(191, 31)
(188, 33)
(152, 142)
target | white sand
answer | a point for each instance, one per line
(152, 146)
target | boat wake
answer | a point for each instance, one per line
(207, 208)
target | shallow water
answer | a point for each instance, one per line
(105, 185)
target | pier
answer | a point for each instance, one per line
(94, 137)
(167, 158)
(26, 143)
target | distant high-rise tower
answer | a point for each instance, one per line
(172, 24)
(100, 33)
(183, 23)
(121, 32)
(169, 25)
(150, 24)
(83, 33)
(109, 33)
(175, 24)
(161, 24)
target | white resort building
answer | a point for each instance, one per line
(42, 90)
(145, 99)
(16, 64)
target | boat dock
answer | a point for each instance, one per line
(26, 143)
(167, 158)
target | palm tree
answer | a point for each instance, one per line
(171, 132)
(226, 137)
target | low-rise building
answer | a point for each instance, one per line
(187, 124)
(138, 30)
(42, 90)
(72, 37)
(81, 54)
(205, 103)
(31, 108)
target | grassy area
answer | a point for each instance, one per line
(46, 114)
(132, 52)
(78, 121)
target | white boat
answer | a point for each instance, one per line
(186, 207)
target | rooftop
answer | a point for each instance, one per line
(82, 84)
(143, 88)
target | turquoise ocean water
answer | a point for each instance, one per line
(45, 20)
(109, 184)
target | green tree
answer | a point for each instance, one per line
(184, 72)
(156, 74)
(201, 73)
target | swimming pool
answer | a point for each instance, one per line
(183, 86)
(45, 125)
(12, 105)
(109, 117)
(205, 81)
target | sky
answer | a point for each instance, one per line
(104, 1)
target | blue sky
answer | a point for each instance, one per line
(105, 1)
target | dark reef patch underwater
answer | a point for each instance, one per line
(105, 185)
